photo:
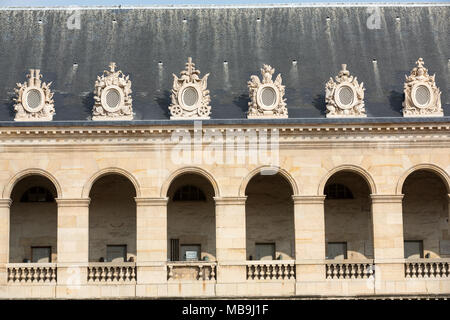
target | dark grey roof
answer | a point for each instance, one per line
(141, 37)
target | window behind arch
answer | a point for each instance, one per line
(189, 193)
(338, 191)
(37, 194)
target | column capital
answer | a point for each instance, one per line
(5, 203)
(386, 198)
(304, 199)
(230, 200)
(73, 202)
(140, 201)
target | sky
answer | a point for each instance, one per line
(41, 3)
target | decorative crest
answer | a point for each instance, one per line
(112, 96)
(266, 96)
(422, 96)
(190, 97)
(34, 100)
(345, 96)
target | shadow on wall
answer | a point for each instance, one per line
(163, 101)
(242, 102)
(319, 103)
(10, 105)
(88, 103)
(395, 100)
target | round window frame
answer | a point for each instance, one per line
(103, 98)
(338, 100)
(25, 100)
(259, 97)
(413, 95)
(181, 94)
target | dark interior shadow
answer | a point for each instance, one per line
(10, 105)
(242, 102)
(319, 103)
(88, 103)
(395, 100)
(163, 101)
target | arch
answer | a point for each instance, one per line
(190, 170)
(286, 175)
(424, 166)
(30, 172)
(348, 168)
(113, 170)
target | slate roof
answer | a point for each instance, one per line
(138, 38)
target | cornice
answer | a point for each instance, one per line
(386, 198)
(140, 201)
(230, 200)
(284, 129)
(73, 202)
(311, 199)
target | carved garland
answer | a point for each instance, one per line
(267, 97)
(345, 97)
(422, 96)
(112, 96)
(190, 97)
(34, 101)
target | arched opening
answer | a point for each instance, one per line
(348, 222)
(191, 221)
(112, 220)
(269, 218)
(425, 216)
(33, 221)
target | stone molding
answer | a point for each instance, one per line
(148, 202)
(268, 168)
(224, 201)
(340, 105)
(115, 82)
(308, 199)
(257, 107)
(386, 198)
(348, 168)
(190, 81)
(428, 167)
(322, 129)
(429, 93)
(5, 203)
(29, 172)
(73, 202)
(34, 100)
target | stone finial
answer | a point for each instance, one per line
(34, 99)
(190, 97)
(344, 96)
(422, 96)
(112, 96)
(266, 96)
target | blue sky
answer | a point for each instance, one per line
(40, 3)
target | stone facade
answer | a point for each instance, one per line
(121, 192)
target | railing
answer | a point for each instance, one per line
(427, 268)
(270, 270)
(31, 272)
(110, 272)
(191, 270)
(361, 269)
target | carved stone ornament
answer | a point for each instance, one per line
(112, 96)
(345, 96)
(190, 98)
(422, 96)
(267, 96)
(34, 101)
